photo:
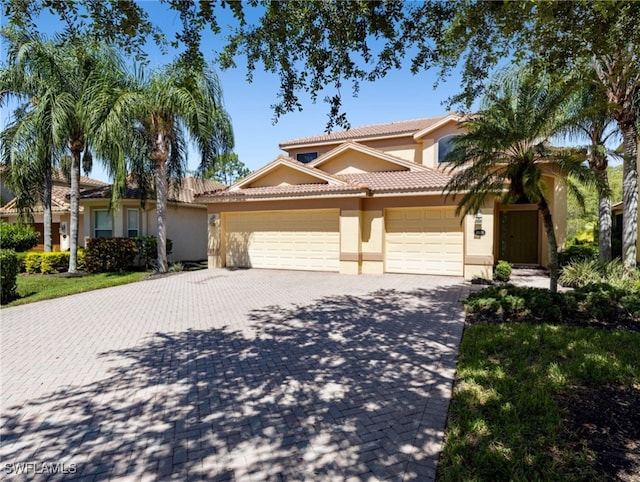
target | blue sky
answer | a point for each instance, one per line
(398, 96)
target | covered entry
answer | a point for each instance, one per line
(423, 241)
(519, 236)
(300, 239)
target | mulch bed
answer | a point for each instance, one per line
(607, 421)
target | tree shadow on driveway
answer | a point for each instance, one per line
(348, 386)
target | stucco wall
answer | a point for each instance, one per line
(187, 228)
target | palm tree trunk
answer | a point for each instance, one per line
(547, 221)
(47, 188)
(77, 147)
(604, 218)
(160, 173)
(629, 193)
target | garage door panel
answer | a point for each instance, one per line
(305, 240)
(423, 241)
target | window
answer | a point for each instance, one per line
(132, 223)
(102, 224)
(306, 156)
(445, 146)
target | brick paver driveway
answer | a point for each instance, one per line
(232, 375)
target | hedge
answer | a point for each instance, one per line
(9, 268)
(147, 247)
(19, 237)
(109, 254)
(46, 263)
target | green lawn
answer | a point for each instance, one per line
(36, 287)
(505, 420)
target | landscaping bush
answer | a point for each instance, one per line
(9, 268)
(578, 274)
(46, 263)
(601, 304)
(19, 237)
(108, 255)
(577, 252)
(502, 271)
(147, 247)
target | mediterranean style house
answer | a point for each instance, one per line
(186, 218)
(369, 200)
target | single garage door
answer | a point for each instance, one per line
(301, 239)
(423, 241)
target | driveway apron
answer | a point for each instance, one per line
(232, 375)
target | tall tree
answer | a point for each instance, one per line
(590, 118)
(227, 169)
(143, 124)
(29, 150)
(506, 152)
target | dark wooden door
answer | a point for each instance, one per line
(519, 237)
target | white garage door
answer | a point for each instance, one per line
(423, 241)
(304, 240)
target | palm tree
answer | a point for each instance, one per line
(506, 152)
(59, 121)
(143, 123)
(28, 150)
(592, 119)
(619, 75)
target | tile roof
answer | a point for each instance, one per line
(186, 192)
(59, 202)
(370, 182)
(400, 181)
(282, 191)
(374, 130)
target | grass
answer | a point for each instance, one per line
(32, 288)
(504, 422)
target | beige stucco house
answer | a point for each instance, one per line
(186, 218)
(369, 200)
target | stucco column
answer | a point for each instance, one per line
(350, 239)
(372, 233)
(479, 231)
(215, 252)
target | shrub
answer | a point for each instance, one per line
(109, 254)
(19, 237)
(147, 247)
(9, 268)
(580, 272)
(47, 263)
(502, 271)
(577, 252)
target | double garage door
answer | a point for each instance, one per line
(302, 240)
(423, 241)
(417, 240)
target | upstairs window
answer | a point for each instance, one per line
(445, 147)
(306, 157)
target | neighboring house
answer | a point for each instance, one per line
(186, 218)
(60, 208)
(369, 200)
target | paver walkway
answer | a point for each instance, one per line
(232, 375)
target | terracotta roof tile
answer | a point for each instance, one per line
(401, 181)
(283, 191)
(374, 130)
(189, 188)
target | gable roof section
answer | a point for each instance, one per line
(374, 131)
(436, 125)
(287, 163)
(351, 145)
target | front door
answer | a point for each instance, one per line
(519, 237)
